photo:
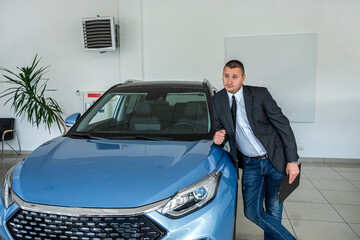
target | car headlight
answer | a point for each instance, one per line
(6, 189)
(193, 197)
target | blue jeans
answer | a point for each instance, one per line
(260, 180)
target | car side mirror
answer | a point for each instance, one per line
(71, 120)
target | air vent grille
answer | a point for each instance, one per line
(99, 34)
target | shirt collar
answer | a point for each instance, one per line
(239, 95)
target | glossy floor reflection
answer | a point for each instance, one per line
(325, 206)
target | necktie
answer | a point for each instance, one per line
(233, 111)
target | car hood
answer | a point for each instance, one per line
(111, 173)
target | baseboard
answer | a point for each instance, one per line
(10, 152)
(329, 160)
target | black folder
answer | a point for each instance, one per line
(286, 189)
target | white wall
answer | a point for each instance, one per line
(130, 21)
(184, 39)
(53, 29)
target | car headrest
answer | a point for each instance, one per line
(143, 109)
(193, 109)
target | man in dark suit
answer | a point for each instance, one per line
(261, 142)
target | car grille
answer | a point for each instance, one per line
(40, 226)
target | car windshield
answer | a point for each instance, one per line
(148, 114)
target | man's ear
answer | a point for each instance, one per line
(243, 80)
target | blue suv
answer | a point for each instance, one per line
(139, 164)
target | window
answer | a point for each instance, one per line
(165, 112)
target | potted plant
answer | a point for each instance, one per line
(27, 98)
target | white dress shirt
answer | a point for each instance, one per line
(246, 141)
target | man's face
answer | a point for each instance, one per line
(233, 79)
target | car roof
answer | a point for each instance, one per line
(163, 84)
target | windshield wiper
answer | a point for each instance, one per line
(141, 138)
(85, 135)
(89, 136)
(153, 138)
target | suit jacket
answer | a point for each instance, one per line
(270, 126)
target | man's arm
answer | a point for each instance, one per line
(220, 133)
(282, 125)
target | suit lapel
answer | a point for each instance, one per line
(248, 100)
(226, 110)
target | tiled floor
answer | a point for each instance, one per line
(325, 206)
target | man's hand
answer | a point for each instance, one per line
(292, 170)
(219, 137)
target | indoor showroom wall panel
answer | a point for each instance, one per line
(53, 29)
(186, 40)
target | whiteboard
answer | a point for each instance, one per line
(285, 64)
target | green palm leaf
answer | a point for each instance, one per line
(26, 95)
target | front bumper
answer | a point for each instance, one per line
(213, 221)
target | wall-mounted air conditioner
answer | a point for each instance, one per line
(100, 34)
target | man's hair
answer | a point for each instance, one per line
(235, 64)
